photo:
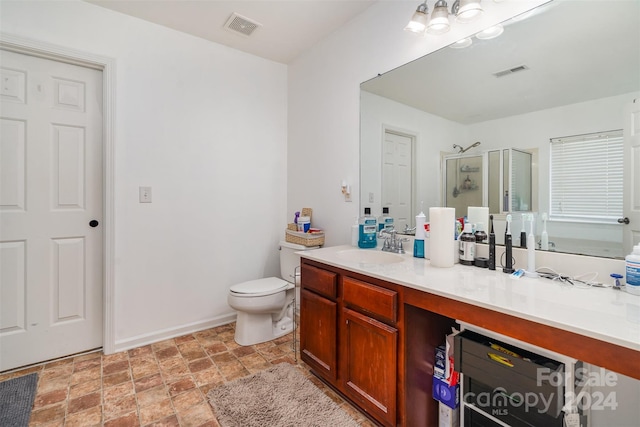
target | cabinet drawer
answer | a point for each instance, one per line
(477, 357)
(380, 302)
(320, 281)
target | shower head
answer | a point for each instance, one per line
(462, 150)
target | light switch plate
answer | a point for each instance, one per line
(145, 194)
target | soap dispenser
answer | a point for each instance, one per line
(354, 233)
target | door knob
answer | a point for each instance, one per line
(624, 220)
(93, 223)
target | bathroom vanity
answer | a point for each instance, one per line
(370, 322)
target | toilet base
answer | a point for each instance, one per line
(257, 328)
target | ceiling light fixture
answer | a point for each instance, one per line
(419, 19)
(490, 33)
(438, 23)
(467, 10)
(461, 44)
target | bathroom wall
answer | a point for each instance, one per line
(206, 127)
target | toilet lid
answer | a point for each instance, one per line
(266, 286)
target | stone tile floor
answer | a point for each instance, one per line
(161, 384)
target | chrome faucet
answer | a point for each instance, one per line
(408, 230)
(391, 241)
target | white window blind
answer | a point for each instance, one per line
(586, 177)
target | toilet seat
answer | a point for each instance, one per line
(259, 287)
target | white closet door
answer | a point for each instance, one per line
(397, 178)
(50, 191)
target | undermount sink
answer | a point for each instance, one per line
(369, 256)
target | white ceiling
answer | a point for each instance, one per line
(288, 27)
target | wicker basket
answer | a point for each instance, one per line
(304, 239)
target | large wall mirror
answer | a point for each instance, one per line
(564, 71)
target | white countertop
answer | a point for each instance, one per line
(602, 313)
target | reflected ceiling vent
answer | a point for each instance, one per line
(511, 71)
(241, 25)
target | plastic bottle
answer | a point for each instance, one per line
(385, 221)
(355, 233)
(418, 241)
(633, 271)
(480, 234)
(368, 228)
(467, 245)
(544, 238)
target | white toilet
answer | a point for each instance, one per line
(265, 306)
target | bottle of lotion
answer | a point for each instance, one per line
(418, 242)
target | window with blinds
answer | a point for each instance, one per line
(586, 177)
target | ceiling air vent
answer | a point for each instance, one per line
(241, 25)
(511, 71)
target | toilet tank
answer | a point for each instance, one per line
(289, 260)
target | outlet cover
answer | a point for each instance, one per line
(145, 194)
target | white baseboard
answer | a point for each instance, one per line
(156, 336)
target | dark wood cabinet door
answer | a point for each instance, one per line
(368, 363)
(318, 334)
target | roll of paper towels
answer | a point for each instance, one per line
(442, 236)
(477, 214)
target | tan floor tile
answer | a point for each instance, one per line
(118, 407)
(87, 364)
(112, 368)
(215, 347)
(166, 353)
(180, 386)
(184, 339)
(225, 357)
(148, 397)
(200, 364)
(186, 400)
(171, 421)
(140, 351)
(45, 386)
(88, 356)
(232, 371)
(146, 383)
(78, 390)
(163, 344)
(90, 417)
(191, 350)
(156, 411)
(118, 391)
(243, 351)
(174, 368)
(85, 375)
(58, 371)
(48, 414)
(115, 379)
(128, 420)
(49, 398)
(196, 415)
(59, 362)
(85, 402)
(208, 376)
(143, 367)
(115, 357)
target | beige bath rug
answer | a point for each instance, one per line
(280, 396)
